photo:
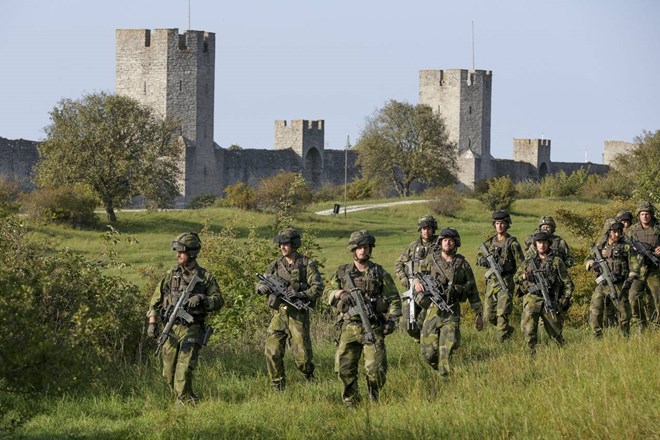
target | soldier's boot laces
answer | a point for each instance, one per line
(279, 385)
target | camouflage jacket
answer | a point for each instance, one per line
(619, 258)
(175, 282)
(650, 236)
(558, 246)
(508, 254)
(302, 274)
(556, 273)
(416, 251)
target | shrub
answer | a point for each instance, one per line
(527, 189)
(240, 196)
(8, 196)
(202, 201)
(71, 205)
(612, 185)
(500, 194)
(283, 192)
(329, 192)
(562, 185)
(445, 201)
(361, 189)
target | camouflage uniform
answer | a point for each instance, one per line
(384, 306)
(415, 253)
(560, 288)
(181, 350)
(558, 245)
(290, 324)
(498, 305)
(441, 332)
(617, 256)
(649, 274)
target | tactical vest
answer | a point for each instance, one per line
(549, 267)
(370, 283)
(297, 276)
(616, 257)
(418, 253)
(453, 273)
(178, 284)
(648, 235)
(503, 254)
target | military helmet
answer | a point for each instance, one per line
(501, 216)
(187, 242)
(541, 236)
(426, 221)
(547, 220)
(645, 206)
(288, 235)
(450, 233)
(360, 238)
(624, 215)
(610, 224)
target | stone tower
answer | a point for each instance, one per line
(174, 74)
(535, 152)
(463, 98)
(306, 139)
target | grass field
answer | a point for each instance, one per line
(605, 389)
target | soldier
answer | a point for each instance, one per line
(625, 218)
(287, 323)
(508, 255)
(616, 254)
(181, 349)
(558, 245)
(412, 256)
(552, 274)
(382, 303)
(646, 231)
(441, 333)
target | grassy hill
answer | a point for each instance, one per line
(588, 389)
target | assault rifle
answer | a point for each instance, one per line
(177, 311)
(360, 308)
(411, 319)
(644, 249)
(435, 292)
(606, 275)
(494, 269)
(540, 283)
(279, 288)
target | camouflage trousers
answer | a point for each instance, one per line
(292, 326)
(350, 347)
(180, 355)
(644, 298)
(533, 310)
(414, 330)
(498, 307)
(441, 335)
(600, 301)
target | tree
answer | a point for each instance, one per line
(115, 145)
(402, 143)
(642, 166)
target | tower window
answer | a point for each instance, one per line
(469, 110)
(145, 87)
(180, 85)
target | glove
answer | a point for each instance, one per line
(529, 276)
(152, 330)
(479, 323)
(345, 302)
(389, 326)
(291, 293)
(483, 262)
(626, 284)
(262, 289)
(565, 304)
(196, 300)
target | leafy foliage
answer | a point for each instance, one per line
(241, 196)
(527, 189)
(445, 201)
(362, 188)
(402, 143)
(561, 184)
(612, 185)
(115, 145)
(500, 195)
(642, 166)
(71, 205)
(283, 192)
(202, 201)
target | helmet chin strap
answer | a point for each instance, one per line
(361, 260)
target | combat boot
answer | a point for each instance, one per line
(373, 393)
(279, 385)
(309, 377)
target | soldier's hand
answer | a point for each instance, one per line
(405, 283)
(196, 300)
(627, 283)
(292, 293)
(483, 261)
(479, 322)
(262, 289)
(389, 326)
(152, 330)
(565, 304)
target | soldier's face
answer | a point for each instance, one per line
(448, 245)
(546, 228)
(426, 232)
(286, 249)
(362, 252)
(626, 223)
(645, 218)
(542, 247)
(183, 258)
(500, 226)
(614, 235)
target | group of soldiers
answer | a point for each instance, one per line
(437, 278)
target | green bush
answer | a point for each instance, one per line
(500, 195)
(362, 189)
(71, 205)
(527, 189)
(240, 196)
(445, 201)
(202, 201)
(562, 185)
(8, 196)
(329, 192)
(283, 192)
(612, 185)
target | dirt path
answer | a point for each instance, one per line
(354, 208)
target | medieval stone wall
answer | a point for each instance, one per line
(614, 148)
(18, 159)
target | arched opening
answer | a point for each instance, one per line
(543, 170)
(313, 167)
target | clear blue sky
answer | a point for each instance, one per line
(578, 72)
